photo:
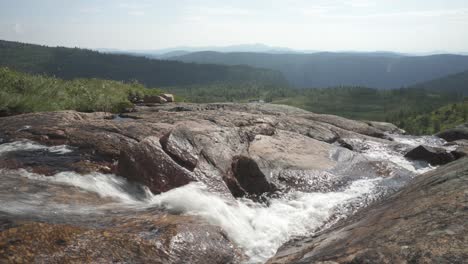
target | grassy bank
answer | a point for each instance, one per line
(443, 118)
(22, 93)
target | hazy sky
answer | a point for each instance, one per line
(363, 25)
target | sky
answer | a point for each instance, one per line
(348, 25)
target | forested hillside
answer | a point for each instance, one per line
(448, 116)
(320, 70)
(70, 63)
(453, 83)
(366, 103)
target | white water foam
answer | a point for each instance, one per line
(26, 145)
(259, 229)
(382, 152)
(105, 185)
(414, 141)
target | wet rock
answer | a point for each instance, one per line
(349, 125)
(233, 149)
(424, 222)
(343, 143)
(322, 134)
(461, 148)
(457, 133)
(147, 163)
(290, 150)
(386, 127)
(139, 239)
(250, 177)
(177, 144)
(197, 141)
(432, 155)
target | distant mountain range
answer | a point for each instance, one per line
(177, 51)
(381, 70)
(70, 63)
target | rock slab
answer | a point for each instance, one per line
(425, 222)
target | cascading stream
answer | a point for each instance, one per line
(257, 228)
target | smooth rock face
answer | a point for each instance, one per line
(147, 163)
(386, 127)
(250, 177)
(143, 238)
(425, 222)
(434, 156)
(458, 133)
(169, 145)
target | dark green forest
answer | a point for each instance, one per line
(457, 83)
(71, 63)
(440, 119)
(46, 79)
(328, 69)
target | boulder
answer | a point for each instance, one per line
(462, 147)
(432, 155)
(457, 133)
(250, 177)
(425, 222)
(154, 99)
(290, 150)
(169, 97)
(178, 145)
(148, 164)
(321, 133)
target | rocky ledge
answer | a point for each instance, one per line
(232, 148)
(235, 150)
(425, 222)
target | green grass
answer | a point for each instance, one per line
(366, 103)
(22, 93)
(441, 119)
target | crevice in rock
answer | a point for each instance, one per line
(344, 144)
(249, 176)
(163, 141)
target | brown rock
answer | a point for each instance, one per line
(148, 164)
(457, 133)
(425, 222)
(250, 177)
(154, 99)
(198, 142)
(151, 238)
(434, 156)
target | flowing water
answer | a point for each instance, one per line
(258, 228)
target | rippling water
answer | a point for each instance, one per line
(258, 228)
